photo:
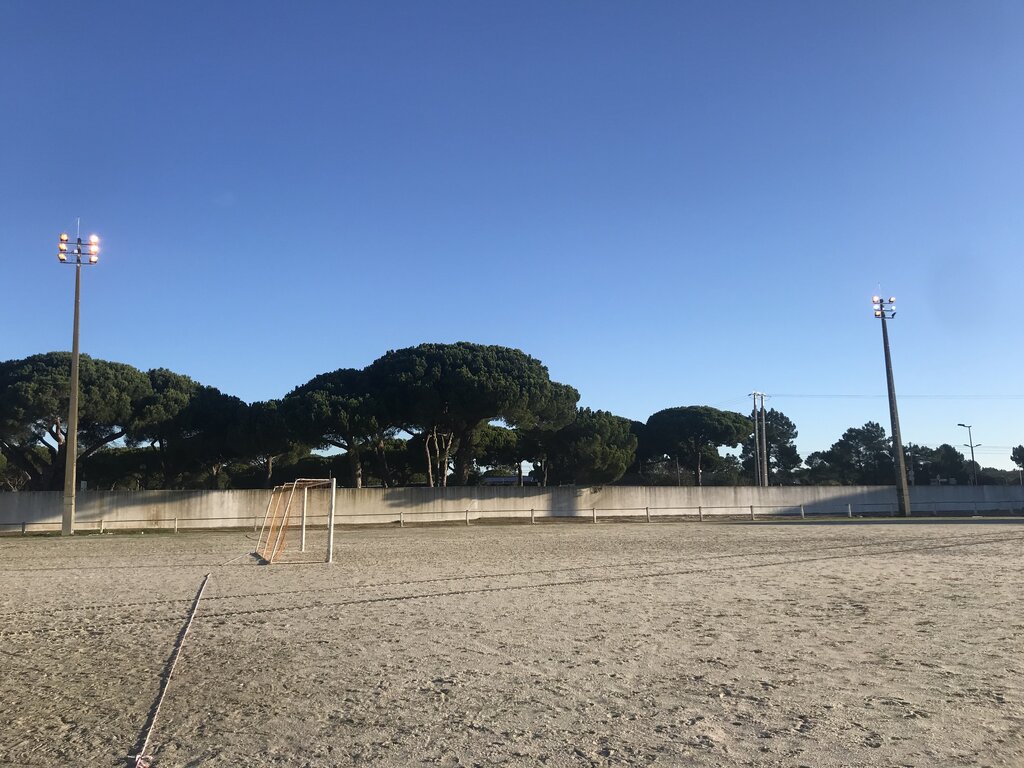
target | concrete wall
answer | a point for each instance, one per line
(39, 511)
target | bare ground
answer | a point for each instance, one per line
(620, 644)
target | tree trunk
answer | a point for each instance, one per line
(449, 438)
(430, 459)
(385, 470)
(267, 483)
(464, 457)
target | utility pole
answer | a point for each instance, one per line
(764, 443)
(886, 310)
(757, 444)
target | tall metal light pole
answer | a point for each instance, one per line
(886, 310)
(90, 251)
(972, 445)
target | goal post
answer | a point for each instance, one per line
(289, 505)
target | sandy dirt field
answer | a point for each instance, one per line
(618, 644)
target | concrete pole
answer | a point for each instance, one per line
(305, 504)
(757, 445)
(903, 496)
(67, 522)
(764, 444)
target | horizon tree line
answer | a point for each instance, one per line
(433, 414)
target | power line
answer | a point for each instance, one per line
(916, 397)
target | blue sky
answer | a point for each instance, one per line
(668, 203)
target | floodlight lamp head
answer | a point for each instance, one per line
(94, 239)
(63, 237)
(892, 299)
(875, 299)
(878, 313)
(94, 248)
(93, 258)
(62, 256)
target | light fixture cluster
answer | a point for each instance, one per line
(884, 308)
(91, 249)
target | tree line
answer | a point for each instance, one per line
(433, 414)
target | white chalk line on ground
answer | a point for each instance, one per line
(143, 760)
(971, 538)
(98, 629)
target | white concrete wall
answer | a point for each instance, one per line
(40, 511)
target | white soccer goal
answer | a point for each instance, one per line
(290, 505)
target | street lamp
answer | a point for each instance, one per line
(885, 309)
(77, 253)
(972, 445)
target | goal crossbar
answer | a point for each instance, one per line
(281, 512)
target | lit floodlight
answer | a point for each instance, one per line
(63, 237)
(93, 258)
(94, 239)
(94, 248)
(62, 256)
(878, 313)
(876, 299)
(892, 299)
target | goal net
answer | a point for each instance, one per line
(293, 506)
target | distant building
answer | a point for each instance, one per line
(507, 480)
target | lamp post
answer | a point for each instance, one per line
(972, 445)
(90, 251)
(885, 309)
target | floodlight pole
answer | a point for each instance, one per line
(886, 310)
(91, 251)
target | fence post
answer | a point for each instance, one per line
(700, 513)
(751, 511)
(849, 510)
(802, 515)
(102, 521)
(401, 518)
(533, 519)
(175, 524)
(467, 517)
(24, 527)
(648, 514)
(594, 510)
(305, 504)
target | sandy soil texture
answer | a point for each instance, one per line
(618, 644)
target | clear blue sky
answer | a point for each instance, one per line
(668, 203)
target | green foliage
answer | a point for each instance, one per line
(693, 434)
(34, 394)
(337, 409)
(1017, 456)
(596, 448)
(447, 392)
(862, 456)
(783, 458)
